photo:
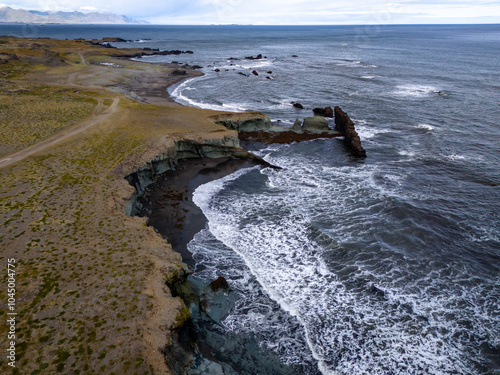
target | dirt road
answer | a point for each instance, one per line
(99, 114)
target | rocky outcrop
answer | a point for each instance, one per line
(315, 124)
(243, 122)
(325, 112)
(298, 105)
(215, 147)
(258, 57)
(345, 125)
(219, 284)
(297, 126)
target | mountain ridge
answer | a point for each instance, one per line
(8, 14)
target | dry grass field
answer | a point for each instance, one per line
(90, 281)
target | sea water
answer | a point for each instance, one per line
(383, 265)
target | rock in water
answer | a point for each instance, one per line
(298, 105)
(315, 124)
(345, 125)
(255, 73)
(325, 112)
(297, 126)
(219, 284)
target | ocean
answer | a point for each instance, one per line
(384, 265)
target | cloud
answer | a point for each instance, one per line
(281, 11)
(88, 8)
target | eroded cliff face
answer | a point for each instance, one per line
(218, 145)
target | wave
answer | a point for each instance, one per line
(355, 308)
(416, 91)
(177, 92)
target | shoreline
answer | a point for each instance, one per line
(79, 203)
(83, 261)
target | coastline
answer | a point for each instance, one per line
(89, 272)
(90, 176)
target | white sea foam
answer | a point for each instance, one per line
(178, 94)
(415, 90)
(347, 329)
(425, 126)
(368, 131)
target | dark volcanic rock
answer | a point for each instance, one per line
(298, 105)
(219, 284)
(255, 73)
(325, 112)
(258, 57)
(114, 40)
(345, 125)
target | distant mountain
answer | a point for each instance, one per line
(8, 14)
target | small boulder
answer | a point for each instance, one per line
(217, 70)
(315, 124)
(298, 105)
(325, 112)
(255, 73)
(219, 284)
(297, 126)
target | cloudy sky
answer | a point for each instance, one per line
(289, 12)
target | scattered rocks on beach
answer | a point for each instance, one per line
(345, 125)
(325, 112)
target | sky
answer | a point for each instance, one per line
(282, 12)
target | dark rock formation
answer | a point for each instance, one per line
(295, 56)
(284, 137)
(243, 74)
(219, 284)
(270, 72)
(258, 57)
(315, 124)
(345, 125)
(217, 70)
(255, 73)
(114, 40)
(298, 105)
(325, 112)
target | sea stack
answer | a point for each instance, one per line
(345, 125)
